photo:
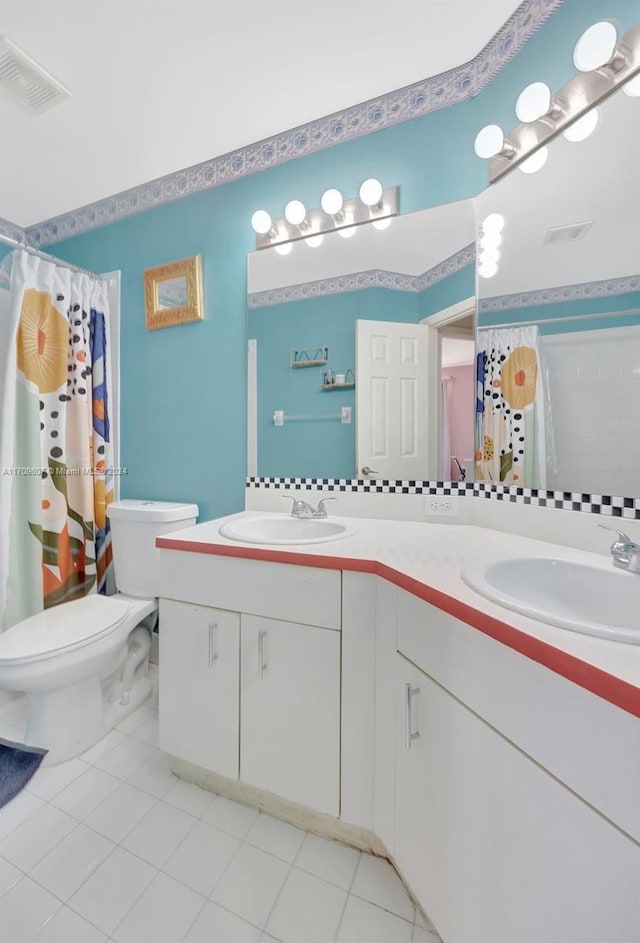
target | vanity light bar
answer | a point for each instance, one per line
(574, 100)
(353, 212)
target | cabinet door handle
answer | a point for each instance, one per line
(411, 733)
(262, 634)
(213, 646)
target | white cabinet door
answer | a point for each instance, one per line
(493, 846)
(290, 717)
(199, 685)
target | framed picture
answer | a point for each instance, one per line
(173, 293)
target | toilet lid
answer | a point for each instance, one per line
(66, 626)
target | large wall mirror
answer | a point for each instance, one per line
(564, 303)
(346, 376)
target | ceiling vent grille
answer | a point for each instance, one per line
(27, 82)
(569, 233)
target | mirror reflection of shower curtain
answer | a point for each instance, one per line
(445, 429)
(510, 408)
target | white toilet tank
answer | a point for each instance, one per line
(135, 524)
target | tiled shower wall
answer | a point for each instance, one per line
(594, 386)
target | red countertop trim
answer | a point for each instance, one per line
(620, 693)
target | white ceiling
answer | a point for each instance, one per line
(159, 85)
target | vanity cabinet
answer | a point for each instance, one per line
(290, 713)
(199, 685)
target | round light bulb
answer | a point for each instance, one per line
(491, 240)
(632, 88)
(371, 192)
(494, 222)
(382, 223)
(261, 222)
(487, 270)
(314, 241)
(331, 202)
(348, 232)
(533, 102)
(295, 212)
(595, 47)
(582, 128)
(284, 248)
(489, 256)
(535, 163)
(489, 141)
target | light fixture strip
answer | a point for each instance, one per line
(354, 213)
(582, 93)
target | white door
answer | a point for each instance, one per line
(290, 717)
(392, 407)
(199, 685)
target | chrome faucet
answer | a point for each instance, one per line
(307, 511)
(625, 553)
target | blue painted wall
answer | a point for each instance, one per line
(545, 315)
(184, 388)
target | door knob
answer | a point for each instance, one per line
(368, 471)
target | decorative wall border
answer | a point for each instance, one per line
(545, 296)
(11, 231)
(607, 505)
(404, 104)
(372, 278)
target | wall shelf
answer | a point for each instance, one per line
(308, 356)
(338, 386)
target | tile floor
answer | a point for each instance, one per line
(113, 848)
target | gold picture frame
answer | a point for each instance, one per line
(173, 293)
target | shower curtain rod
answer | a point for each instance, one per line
(630, 312)
(49, 258)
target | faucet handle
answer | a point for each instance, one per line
(295, 507)
(321, 510)
(622, 537)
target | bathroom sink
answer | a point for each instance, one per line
(575, 596)
(285, 530)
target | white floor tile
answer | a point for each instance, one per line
(67, 927)
(307, 909)
(21, 808)
(214, 924)
(72, 861)
(155, 776)
(328, 860)
(250, 885)
(230, 816)
(24, 910)
(50, 780)
(422, 935)
(201, 859)
(163, 914)
(112, 890)
(267, 938)
(120, 812)
(32, 840)
(86, 793)
(148, 731)
(377, 882)
(188, 797)
(129, 724)
(364, 923)
(9, 875)
(126, 758)
(159, 833)
(276, 837)
(109, 742)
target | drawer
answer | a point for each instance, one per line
(273, 590)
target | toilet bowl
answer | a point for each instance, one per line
(84, 664)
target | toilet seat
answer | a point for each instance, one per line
(63, 628)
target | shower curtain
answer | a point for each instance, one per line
(510, 414)
(55, 441)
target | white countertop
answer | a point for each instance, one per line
(434, 555)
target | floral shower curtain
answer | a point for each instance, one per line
(510, 415)
(55, 441)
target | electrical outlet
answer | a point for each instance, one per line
(441, 505)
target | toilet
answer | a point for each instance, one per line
(84, 664)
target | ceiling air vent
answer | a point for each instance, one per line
(569, 233)
(27, 82)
